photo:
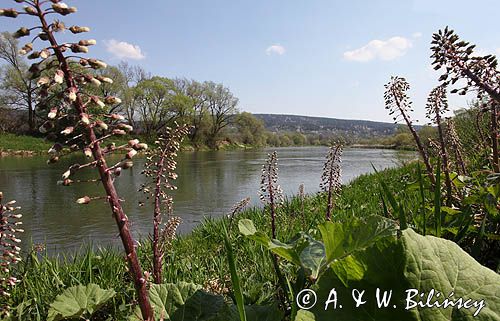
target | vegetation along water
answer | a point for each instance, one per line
(420, 241)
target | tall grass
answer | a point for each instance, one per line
(201, 256)
(11, 142)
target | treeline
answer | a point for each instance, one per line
(150, 103)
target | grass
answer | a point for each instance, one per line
(25, 144)
(14, 143)
(201, 257)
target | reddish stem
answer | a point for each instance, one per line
(425, 158)
(113, 199)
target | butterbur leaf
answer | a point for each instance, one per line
(313, 258)
(188, 302)
(342, 239)
(423, 263)
(286, 251)
(167, 298)
(78, 301)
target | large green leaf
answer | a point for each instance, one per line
(167, 298)
(188, 302)
(411, 262)
(313, 257)
(435, 263)
(342, 239)
(78, 301)
(286, 251)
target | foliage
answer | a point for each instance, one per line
(398, 265)
(79, 301)
(17, 89)
(187, 301)
(12, 142)
(251, 130)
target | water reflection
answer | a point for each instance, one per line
(209, 184)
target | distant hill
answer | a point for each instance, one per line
(327, 126)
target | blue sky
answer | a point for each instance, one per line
(308, 57)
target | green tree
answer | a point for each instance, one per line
(251, 130)
(221, 106)
(155, 99)
(17, 89)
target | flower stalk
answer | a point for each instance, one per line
(331, 177)
(160, 166)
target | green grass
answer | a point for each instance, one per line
(201, 257)
(13, 143)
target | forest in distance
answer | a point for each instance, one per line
(426, 233)
(150, 103)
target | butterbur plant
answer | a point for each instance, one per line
(160, 167)
(399, 105)
(301, 195)
(271, 196)
(437, 106)
(331, 177)
(453, 141)
(270, 191)
(459, 61)
(10, 220)
(78, 119)
(238, 207)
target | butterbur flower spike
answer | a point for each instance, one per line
(83, 200)
(78, 29)
(73, 106)
(59, 77)
(270, 191)
(10, 220)
(238, 207)
(331, 177)
(398, 103)
(160, 167)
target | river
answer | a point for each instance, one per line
(209, 184)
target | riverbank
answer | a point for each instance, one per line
(25, 146)
(22, 145)
(198, 257)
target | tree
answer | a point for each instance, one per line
(194, 93)
(17, 89)
(155, 103)
(132, 75)
(221, 105)
(251, 130)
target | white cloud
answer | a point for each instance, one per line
(498, 51)
(124, 50)
(417, 35)
(276, 49)
(380, 49)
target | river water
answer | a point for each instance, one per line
(209, 184)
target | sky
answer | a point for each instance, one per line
(306, 57)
